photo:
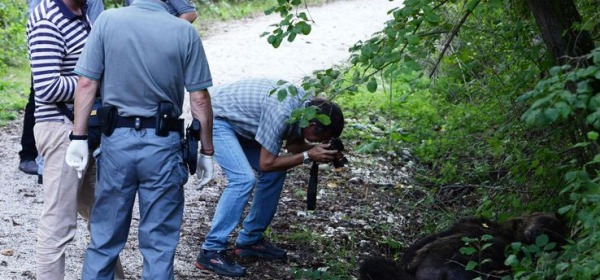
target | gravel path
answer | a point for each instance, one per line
(235, 51)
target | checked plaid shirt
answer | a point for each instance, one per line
(253, 109)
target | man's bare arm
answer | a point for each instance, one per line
(202, 111)
(85, 92)
(191, 16)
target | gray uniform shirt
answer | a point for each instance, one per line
(140, 65)
(253, 109)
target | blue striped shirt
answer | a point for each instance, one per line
(253, 109)
(55, 38)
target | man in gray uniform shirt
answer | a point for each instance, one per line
(140, 56)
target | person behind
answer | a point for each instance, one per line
(183, 9)
(163, 55)
(29, 153)
(250, 125)
(56, 34)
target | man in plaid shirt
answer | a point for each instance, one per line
(250, 126)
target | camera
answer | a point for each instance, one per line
(336, 144)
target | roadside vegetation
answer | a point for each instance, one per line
(501, 119)
(498, 100)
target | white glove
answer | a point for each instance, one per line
(204, 170)
(77, 155)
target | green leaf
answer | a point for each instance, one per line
(372, 85)
(293, 90)
(281, 94)
(303, 16)
(565, 209)
(269, 11)
(470, 265)
(592, 135)
(511, 260)
(306, 28)
(563, 108)
(542, 240)
(432, 17)
(467, 251)
(291, 37)
(324, 119)
(551, 114)
(412, 39)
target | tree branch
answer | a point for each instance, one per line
(452, 35)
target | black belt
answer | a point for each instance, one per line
(147, 122)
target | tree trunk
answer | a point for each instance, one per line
(555, 19)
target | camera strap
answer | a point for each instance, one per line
(311, 192)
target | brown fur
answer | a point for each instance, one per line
(437, 256)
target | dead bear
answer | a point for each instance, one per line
(437, 256)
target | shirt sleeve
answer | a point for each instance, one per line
(181, 6)
(91, 61)
(197, 71)
(46, 47)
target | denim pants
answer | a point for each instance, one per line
(137, 162)
(239, 160)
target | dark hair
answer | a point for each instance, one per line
(334, 113)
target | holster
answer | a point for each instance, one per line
(163, 115)
(107, 117)
(190, 145)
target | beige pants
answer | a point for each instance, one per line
(65, 195)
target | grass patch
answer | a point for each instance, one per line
(15, 91)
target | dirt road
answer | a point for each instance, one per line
(235, 51)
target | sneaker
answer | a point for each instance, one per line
(262, 249)
(219, 263)
(29, 167)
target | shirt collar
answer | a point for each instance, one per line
(64, 9)
(154, 5)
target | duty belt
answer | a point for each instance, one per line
(147, 122)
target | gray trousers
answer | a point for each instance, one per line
(137, 162)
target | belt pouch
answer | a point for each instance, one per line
(163, 115)
(107, 116)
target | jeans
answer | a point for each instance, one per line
(238, 160)
(137, 162)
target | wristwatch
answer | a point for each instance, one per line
(77, 137)
(307, 159)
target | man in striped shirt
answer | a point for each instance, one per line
(28, 154)
(56, 33)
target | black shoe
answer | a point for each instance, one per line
(29, 167)
(219, 263)
(262, 249)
